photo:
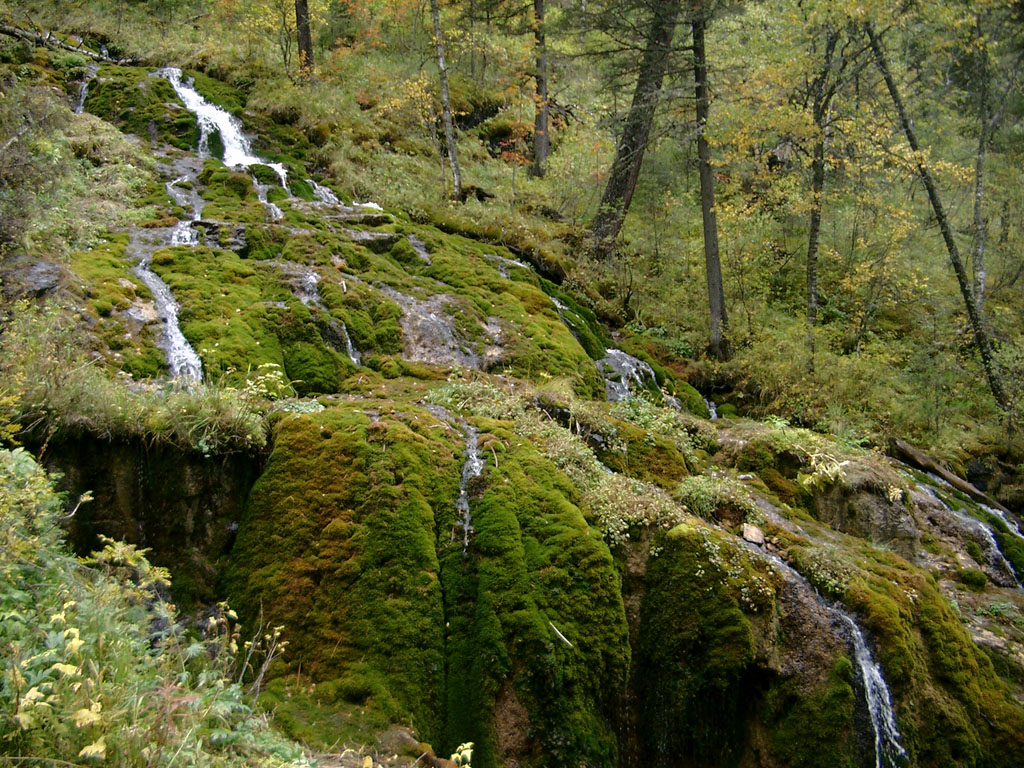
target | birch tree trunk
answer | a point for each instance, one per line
(446, 103)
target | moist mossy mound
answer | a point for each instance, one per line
(538, 648)
(722, 677)
(139, 102)
(338, 545)
(352, 540)
(954, 708)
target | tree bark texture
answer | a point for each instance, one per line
(541, 137)
(718, 344)
(446, 103)
(981, 338)
(980, 227)
(820, 109)
(305, 39)
(637, 129)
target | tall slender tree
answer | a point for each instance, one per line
(718, 344)
(305, 39)
(629, 153)
(541, 127)
(981, 337)
(446, 102)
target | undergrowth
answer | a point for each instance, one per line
(95, 668)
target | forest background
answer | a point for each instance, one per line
(585, 144)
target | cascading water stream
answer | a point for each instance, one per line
(987, 539)
(888, 750)
(305, 285)
(620, 370)
(83, 94)
(182, 359)
(183, 232)
(237, 149)
(472, 468)
(712, 408)
(323, 194)
(889, 753)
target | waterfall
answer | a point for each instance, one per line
(323, 194)
(472, 467)
(620, 370)
(350, 348)
(183, 233)
(712, 408)
(304, 282)
(237, 149)
(888, 750)
(83, 93)
(889, 753)
(182, 359)
(983, 536)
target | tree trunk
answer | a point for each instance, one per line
(305, 39)
(718, 345)
(541, 138)
(980, 227)
(630, 153)
(981, 338)
(446, 103)
(820, 113)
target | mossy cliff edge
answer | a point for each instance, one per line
(631, 585)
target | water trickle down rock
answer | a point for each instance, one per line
(182, 359)
(237, 149)
(620, 370)
(712, 408)
(429, 335)
(420, 249)
(304, 284)
(471, 468)
(997, 568)
(183, 232)
(322, 194)
(888, 751)
(83, 92)
(503, 263)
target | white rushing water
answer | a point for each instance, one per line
(183, 232)
(889, 753)
(237, 149)
(305, 284)
(472, 467)
(182, 359)
(323, 194)
(620, 371)
(712, 408)
(83, 93)
(983, 536)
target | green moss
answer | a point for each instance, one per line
(808, 731)
(696, 648)
(338, 544)
(973, 578)
(239, 315)
(691, 400)
(139, 103)
(533, 565)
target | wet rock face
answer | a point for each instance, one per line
(183, 506)
(861, 505)
(430, 335)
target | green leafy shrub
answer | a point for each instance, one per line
(95, 668)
